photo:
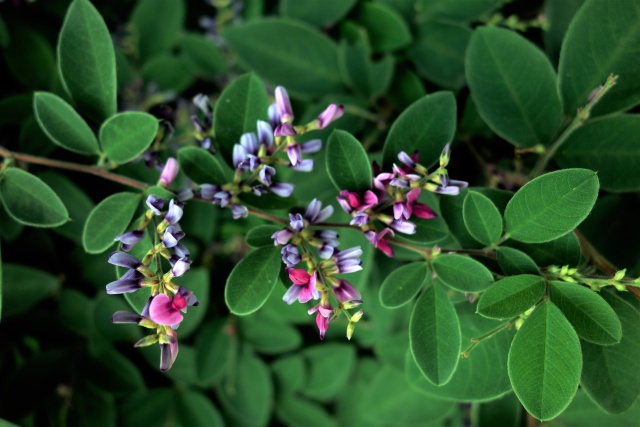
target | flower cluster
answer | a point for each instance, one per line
(318, 279)
(256, 155)
(162, 311)
(398, 191)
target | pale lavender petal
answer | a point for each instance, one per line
(292, 294)
(124, 260)
(282, 189)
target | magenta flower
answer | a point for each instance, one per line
(345, 291)
(323, 316)
(332, 113)
(378, 240)
(283, 104)
(166, 311)
(303, 288)
(418, 209)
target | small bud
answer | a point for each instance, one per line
(148, 340)
(445, 156)
(169, 172)
(350, 328)
(620, 275)
(284, 105)
(356, 317)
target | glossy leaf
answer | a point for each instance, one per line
(545, 362)
(347, 163)
(434, 335)
(482, 375)
(297, 411)
(514, 262)
(107, 220)
(482, 218)
(125, 136)
(611, 374)
(583, 412)
(290, 373)
(462, 273)
(403, 284)
(201, 166)
(427, 125)
(239, 107)
(168, 73)
(213, 344)
(595, 47)
(252, 280)
(604, 146)
(269, 335)
(23, 287)
(456, 10)
(206, 57)
(316, 12)
(261, 235)
(561, 251)
(87, 61)
(37, 70)
(386, 28)
(30, 201)
(438, 53)
(593, 319)
(278, 50)
(514, 86)
(551, 205)
(146, 20)
(331, 366)
(60, 122)
(511, 296)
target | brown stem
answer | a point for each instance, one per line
(267, 216)
(59, 164)
(427, 251)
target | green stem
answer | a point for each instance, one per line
(581, 117)
(476, 341)
(58, 164)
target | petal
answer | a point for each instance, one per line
(162, 311)
(292, 294)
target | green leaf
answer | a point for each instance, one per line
(205, 55)
(297, 411)
(482, 218)
(269, 335)
(195, 409)
(198, 281)
(386, 28)
(545, 362)
(278, 50)
(403, 284)
(108, 220)
(438, 54)
(290, 374)
(252, 280)
(551, 205)
(559, 14)
(611, 374)
(248, 393)
(213, 344)
(561, 251)
(30, 201)
(605, 146)
(125, 136)
(37, 69)
(168, 73)
(482, 375)
(514, 262)
(330, 366)
(594, 48)
(239, 107)
(157, 25)
(63, 125)
(87, 61)
(316, 12)
(427, 126)
(511, 296)
(1, 276)
(434, 335)
(406, 88)
(514, 86)
(347, 163)
(456, 10)
(593, 319)
(201, 166)
(462, 273)
(583, 412)
(23, 287)
(505, 412)
(261, 235)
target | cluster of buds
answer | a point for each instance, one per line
(167, 300)
(318, 279)
(571, 275)
(203, 128)
(256, 154)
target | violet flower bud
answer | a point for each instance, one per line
(285, 129)
(345, 291)
(290, 255)
(265, 134)
(305, 165)
(208, 191)
(175, 212)
(274, 116)
(311, 146)
(180, 267)
(239, 211)
(126, 317)
(284, 105)
(296, 222)
(265, 174)
(315, 213)
(169, 172)
(294, 151)
(406, 159)
(125, 260)
(185, 194)
(332, 113)
(155, 204)
(129, 239)
(221, 198)
(282, 189)
(249, 141)
(282, 237)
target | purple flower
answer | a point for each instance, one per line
(407, 160)
(449, 191)
(305, 165)
(285, 129)
(332, 113)
(315, 213)
(345, 291)
(328, 237)
(405, 227)
(124, 260)
(222, 198)
(360, 219)
(126, 317)
(181, 251)
(283, 104)
(185, 194)
(169, 172)
(163, 312)
(348, 261)
(208, 191)
(265, 134)
(379, 241)
(125, 285)
(180, 267)
(266, 173)
(155, 204)
(294, 151)
(282, 237)
(171, 236)
(239, 154)
(249, 141)
(274, 116)
(296, 221)
(311, 146)
(290, 255)
(303, 288)
(168, 351)
(324, 313)
(129, 239)
(239, 211)
(282, 189)
(175, 212)
(188, 296)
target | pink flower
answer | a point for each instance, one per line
(378, 240)
(166, 311)
(418, 209)
(303, 288)
(169, 172)
(323, 316)
(332, 113)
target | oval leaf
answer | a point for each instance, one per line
(63, 125)
(30, 201)
(434, 335)
(125, 136)
(462, 273)
(252, 280)
(514, 86)
(593, 319)
(605, 146)
(201, 166)
(150, 15)
(261, 235)
(108, 220)
(205, 55)
(316, 12)
(551, 205)
(545, 362)
(482, 218)
(427, 126)
(278, 50)
(511, 296)
(23, 287)
(385, 27)
(240, 106)
(347, 163)
(402, 284)
(514, 262)
(87, 61)
(595, 47)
